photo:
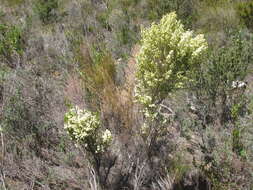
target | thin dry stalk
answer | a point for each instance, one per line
(93, 180)
(166, 183)
(139, 174)
(2, 161)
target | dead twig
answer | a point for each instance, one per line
(2, 160)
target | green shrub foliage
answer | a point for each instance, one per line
(245, 11)
(47, 10)
(225, 66)
(10, 41)
(21, 119)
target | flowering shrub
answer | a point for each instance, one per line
(167, 58)
(83, 127)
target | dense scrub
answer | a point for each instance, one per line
(131, 94)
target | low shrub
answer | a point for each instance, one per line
(245, 12)
(225, 66)
(47, 10)
(25, 111)
(83, 127)
(222, 109)
(156, 9)
(10, 41)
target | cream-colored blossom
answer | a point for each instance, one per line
(107, 137)
(83, 127)
(168, 46)
(168, 56)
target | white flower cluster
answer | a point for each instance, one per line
(239, 84)
(107, 137)
(167, 58)
(83, 127)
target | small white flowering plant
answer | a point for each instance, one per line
(84, 128)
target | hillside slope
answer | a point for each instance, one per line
(59, 54)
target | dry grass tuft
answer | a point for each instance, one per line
(115, 102)
(74, 90)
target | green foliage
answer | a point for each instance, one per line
(15, 114)
(236, 109)
(10, 41)
(224, 66)
(229, 63)
(2, 14)
(215, 2)
(247, 130)
(245, 11)
(4, 70)
(83, 127)
(168, 57)
(158, 8)
(98, 52)
(225, 156)
(223, 108)
(238, 112)
(20, 121)
(124, 36)
(102, 17)
(47, 10)
(237, 143)
(75, 39)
